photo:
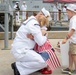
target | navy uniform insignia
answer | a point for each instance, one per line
(24, 23)
(36, 24)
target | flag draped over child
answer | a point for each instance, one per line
(52, 61)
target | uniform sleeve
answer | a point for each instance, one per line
(36, 32)
(39, 39)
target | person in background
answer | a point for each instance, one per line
(71, 36)
(16, 9)
(55, 10)
(65, 17)
(24, 8)
(28, 60)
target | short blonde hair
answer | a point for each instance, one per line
(44, 21)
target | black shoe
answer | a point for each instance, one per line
(74, 72)
(67, 70)
(16, 72)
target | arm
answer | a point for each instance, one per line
(30, 36)
(39, 39)
(68, 36)
(44, 32)
(35, 30)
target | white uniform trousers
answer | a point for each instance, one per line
(17, 16)
(65, 17)
(56, 16)
(29, 62)
(23, 15)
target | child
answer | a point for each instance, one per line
(52, 60)
(46, 50)
(71, 12)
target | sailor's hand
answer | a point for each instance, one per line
(30, 36)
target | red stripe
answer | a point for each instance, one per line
(55, 59)
(52, 61)
(49, 63)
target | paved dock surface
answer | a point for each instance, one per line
(6, 59)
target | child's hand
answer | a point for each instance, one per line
(57, 49)
(30, 36)
(64, 41)
(44, 32)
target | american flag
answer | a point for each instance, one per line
(52, 61)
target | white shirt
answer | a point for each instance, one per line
(64, 10)
(15, 6)
(21, 41)
(72, 25)
(55, 9)
(24, 7)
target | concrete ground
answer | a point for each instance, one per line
(6, 59)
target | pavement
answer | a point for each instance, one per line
(6, 59)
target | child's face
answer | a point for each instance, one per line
(69, 13)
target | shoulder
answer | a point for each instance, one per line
(31, 21)
(73, 19)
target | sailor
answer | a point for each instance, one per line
(55, 10)
(28, 60)
(24, 8)
(65, 17)
(16, 9)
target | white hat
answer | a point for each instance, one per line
(17, 2)
(24, 2)
(46, 13)
(71, 7)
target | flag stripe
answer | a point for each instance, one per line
(53, 60)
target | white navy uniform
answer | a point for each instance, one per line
(28, 61)
(24, 8)
(55, 10)
(17, 13)
(65, 17)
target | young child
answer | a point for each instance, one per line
(71, 12)
(47, 52)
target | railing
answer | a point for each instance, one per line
(16, 24)
(57, 17)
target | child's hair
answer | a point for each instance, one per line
(44, 21)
